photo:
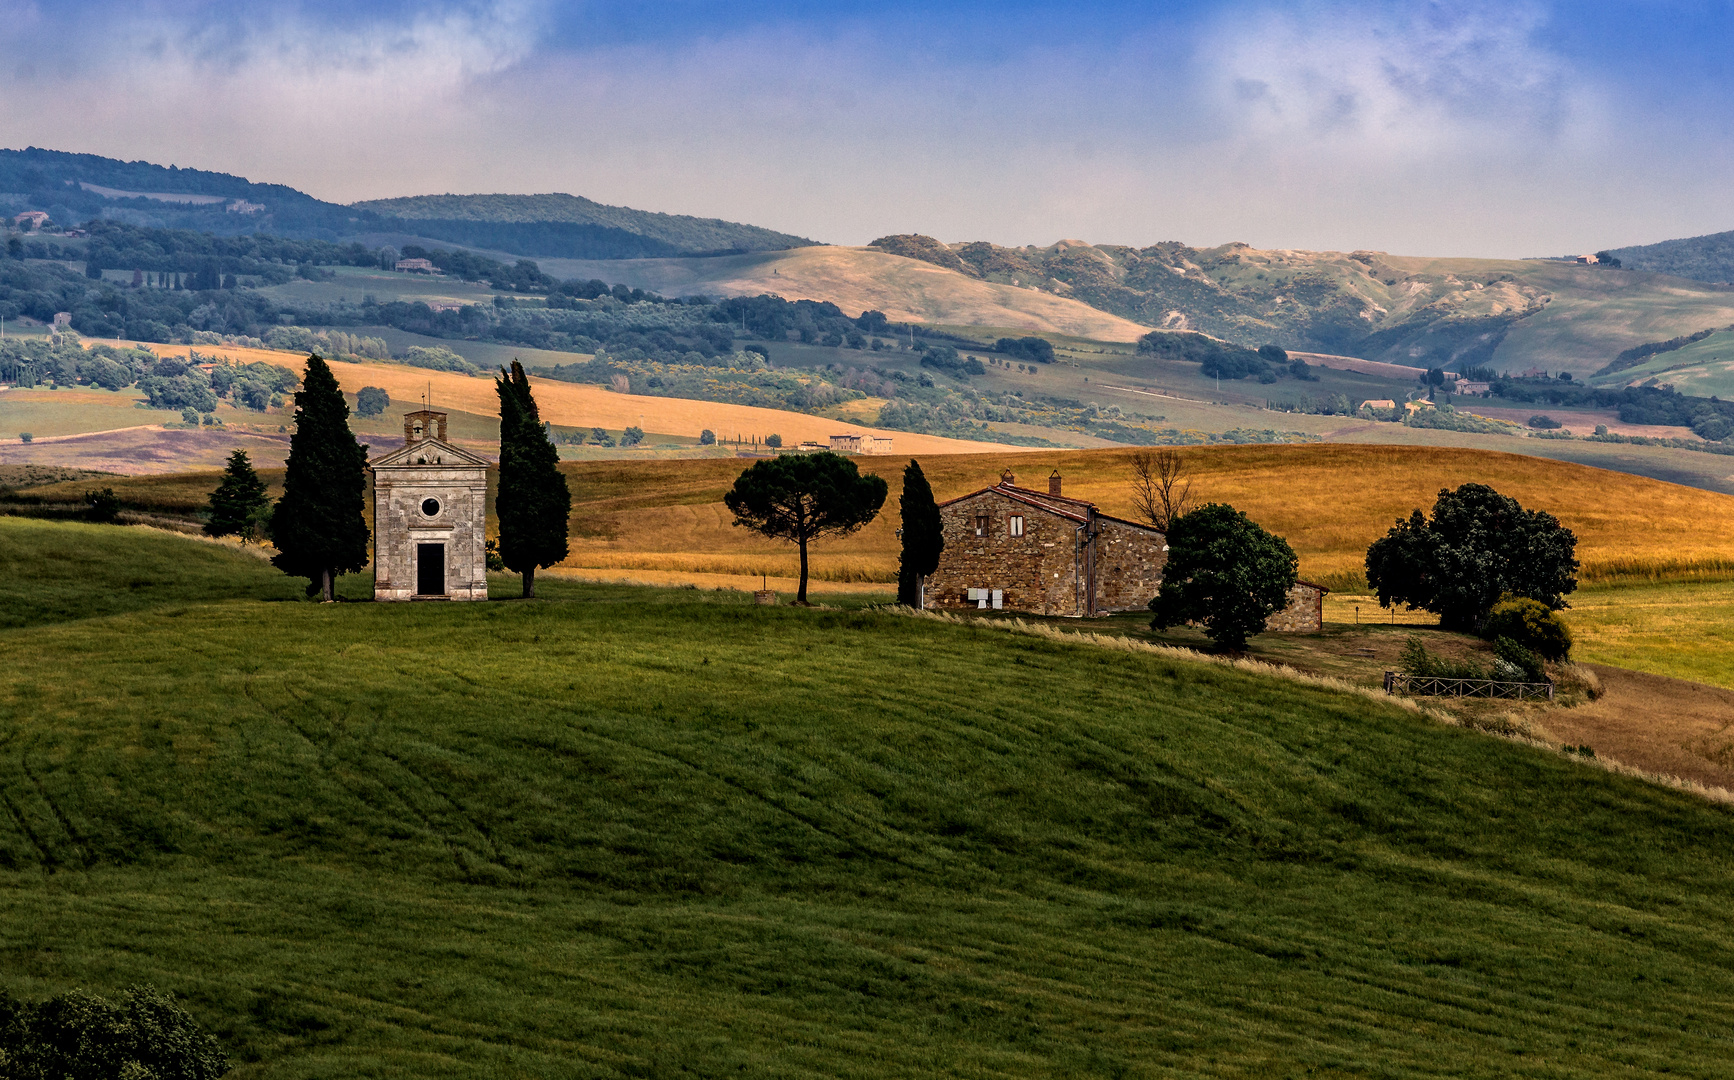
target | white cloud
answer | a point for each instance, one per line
(1397, 81)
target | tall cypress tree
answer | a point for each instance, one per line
(923, 535)
(237, 500)
(318, 526)
(533, 504)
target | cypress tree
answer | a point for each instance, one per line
(318, 526)
(533, 504)
(237, 500)
(923, 535)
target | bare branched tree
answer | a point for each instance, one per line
(1161, 490)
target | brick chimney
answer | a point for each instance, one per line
(1006, 479)
(1054, 482)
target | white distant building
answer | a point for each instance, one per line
(1588, 260)
(1464, 386)
(417, 266)
(62, 319)
(36, 218)
(860, 444)
(242, 206)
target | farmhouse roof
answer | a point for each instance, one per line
(445, 452)
(1079, 510)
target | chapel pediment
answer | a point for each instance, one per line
(429, 452)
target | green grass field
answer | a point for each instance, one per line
(628, 832)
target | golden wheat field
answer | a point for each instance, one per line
(1330, 501)
(631, 518)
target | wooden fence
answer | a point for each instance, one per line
(1433, 686)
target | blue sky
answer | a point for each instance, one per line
(1470, 128)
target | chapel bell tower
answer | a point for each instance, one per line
(430, 515)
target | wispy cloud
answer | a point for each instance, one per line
(1396, 80)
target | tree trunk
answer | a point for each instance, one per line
(325, 592)
(530, 582)
(801, 596)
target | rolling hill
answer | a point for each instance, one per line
(1703, 258)
(73, 188)
(630, 832)
(567, 226)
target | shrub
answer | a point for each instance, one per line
(104, 505)
(775, 442)
(1543, 422)
(25, 436)
(1516, 663)
(1531, 624)
(1416, 660)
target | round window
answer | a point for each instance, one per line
(430, 507)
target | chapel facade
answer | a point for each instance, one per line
(430, 514)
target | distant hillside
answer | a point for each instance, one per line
(568, 226)
(74, 188)
(1701, 258)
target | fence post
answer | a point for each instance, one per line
(1390, 682)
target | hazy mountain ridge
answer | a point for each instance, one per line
(565, 226)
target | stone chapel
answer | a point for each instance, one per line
(430, 515)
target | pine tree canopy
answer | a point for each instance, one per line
(801, 497)
(923, 535)
(533, 505)
(318, 526)
(237, 499)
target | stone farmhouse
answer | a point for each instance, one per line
(1026, 550)
(417, 266)
(1019, 549)
(430, 513)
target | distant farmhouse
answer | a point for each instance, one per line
(1464, 386)
(1379, 403)
(860, 444)
(417, 266)
(1019, 549)
(35, 218)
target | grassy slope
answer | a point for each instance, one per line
(640, 834)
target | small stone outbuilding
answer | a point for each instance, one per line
(1305, 613)
(1026, 550)
(430, 515)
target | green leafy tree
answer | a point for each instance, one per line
(1478, 546)
(318, 526)
(707, 437)
(1225, 572)
(775, 442)
(533, 504)
(238, 500)
(802, 497)
(372, 401)
(923, 535)
(77, 1035)
(632, 436)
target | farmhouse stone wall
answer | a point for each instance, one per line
(1305, 613)
(1129, 564)
(1036, 572)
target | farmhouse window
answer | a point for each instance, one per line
(981, 521)
(1016, 523)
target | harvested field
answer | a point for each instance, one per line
(1330, 501)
